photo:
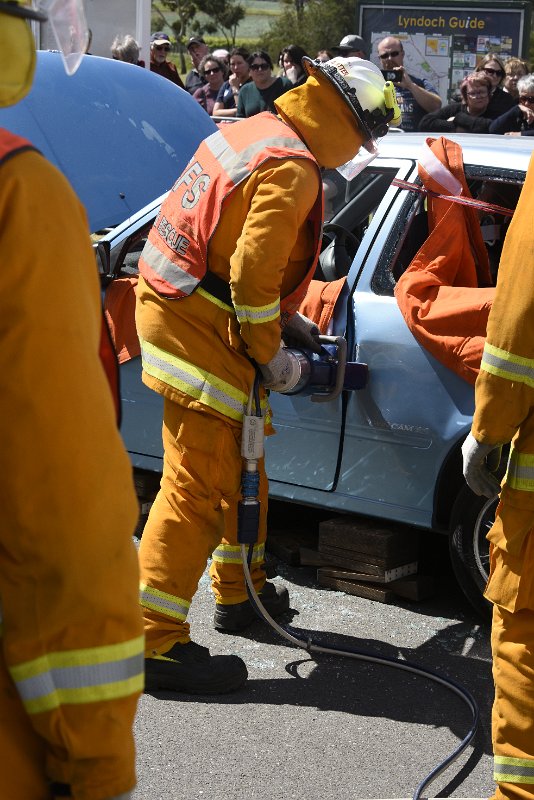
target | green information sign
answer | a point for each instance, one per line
(444, 42)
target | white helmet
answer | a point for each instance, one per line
(360, 83)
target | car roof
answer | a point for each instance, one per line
(120, 133)
(487, 150)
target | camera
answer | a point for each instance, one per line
(393, 75)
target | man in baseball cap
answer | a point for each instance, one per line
(351, 45)
(160, 46)
(197, 49)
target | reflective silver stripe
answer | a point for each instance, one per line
(513, 770)
(163, 602)
(236, 164)
(507, 365)
(168, 270)
(256, 314)
(80, 676)
(231, 554)
(200, 384)
(520, 472)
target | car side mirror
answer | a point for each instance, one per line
(102, 252)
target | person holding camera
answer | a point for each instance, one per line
(415, 96)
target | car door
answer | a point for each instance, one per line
(306, 451)
(400, 431)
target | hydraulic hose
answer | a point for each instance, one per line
(293, 636)
(248, 519)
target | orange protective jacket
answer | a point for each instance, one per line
(71, 657)
(445, 295)
(505, 386)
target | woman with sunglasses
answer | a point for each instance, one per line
(500, 101)
(519, 120)
(213, 71)
(467, 116)
(264, 89)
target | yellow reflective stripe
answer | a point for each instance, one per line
(258, 314)
(507, 365)
(520, 472)
(87, 675)
(193, 381)
(207, 296)
(162, 602)
(231, 554)
(513, 770)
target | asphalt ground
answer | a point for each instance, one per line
(320, 727)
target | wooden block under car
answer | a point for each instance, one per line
(371, 591)
(397, 574)
(352, 542)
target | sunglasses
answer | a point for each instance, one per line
(261, 66)
(526, 98)
(391, 54)
(212, 71)
(165, 47)
(490, 71)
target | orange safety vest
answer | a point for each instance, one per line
(174, 260)
(11, 145)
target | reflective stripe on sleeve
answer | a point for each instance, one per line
(257, 314)
(507, 365)
(520, 472)
(513, 770)
(168, 604)
(231, 554)
(80, 676)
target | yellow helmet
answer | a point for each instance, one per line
(23, 9)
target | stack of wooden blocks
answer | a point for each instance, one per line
(365, 558)
(358, 556)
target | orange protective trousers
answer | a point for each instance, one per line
(194, 513)
(511, 589)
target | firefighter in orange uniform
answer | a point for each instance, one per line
(505, 413)
(223, 272)
(71, 656)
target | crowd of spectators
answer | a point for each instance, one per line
(498, 97)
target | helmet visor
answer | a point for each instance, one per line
(67, 18)
(367, 153)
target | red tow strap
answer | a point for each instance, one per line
(463, 201)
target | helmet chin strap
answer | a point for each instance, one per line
(14, 9)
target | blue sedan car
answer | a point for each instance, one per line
(389, 451)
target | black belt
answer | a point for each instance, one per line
(217, 287)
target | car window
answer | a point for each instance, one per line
(410, 228)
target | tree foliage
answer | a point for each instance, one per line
(314, 25)
(190, 17)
